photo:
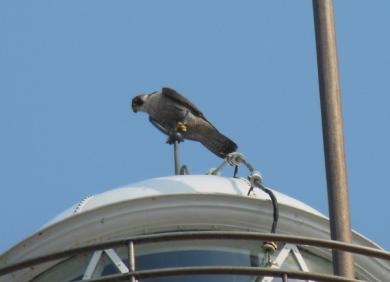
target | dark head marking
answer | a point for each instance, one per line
(136, 103)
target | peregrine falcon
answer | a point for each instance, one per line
(172, 113)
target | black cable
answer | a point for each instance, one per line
(275, 208)
(249, 191)
(274, 205)
(235, 171)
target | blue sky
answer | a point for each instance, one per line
(68, 70)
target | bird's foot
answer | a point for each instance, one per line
(173, 137)
(181, 126)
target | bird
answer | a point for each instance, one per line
(180, 119)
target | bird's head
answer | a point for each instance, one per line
(137, 104)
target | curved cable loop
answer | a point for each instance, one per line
(255, 178)
(275, 207)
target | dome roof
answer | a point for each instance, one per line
(170, 204)
(180, 184)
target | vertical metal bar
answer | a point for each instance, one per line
(332, 126)
(285, 277)
(131, 261)
(176, 157)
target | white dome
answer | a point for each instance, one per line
(182, 184)
(170, 204)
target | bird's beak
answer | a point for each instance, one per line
(134, 107)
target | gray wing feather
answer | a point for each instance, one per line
(211, 138)
(158, 125)
(176, 97)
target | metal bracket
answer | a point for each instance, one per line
(96, 257)
(282, 256)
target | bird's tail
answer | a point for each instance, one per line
(220, 145)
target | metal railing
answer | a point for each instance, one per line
(133, 274)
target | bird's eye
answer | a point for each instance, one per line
(137, 102)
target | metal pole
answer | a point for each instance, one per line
(131, 261)
(176, 157)
(332, 126)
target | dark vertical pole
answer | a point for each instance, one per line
(332, 126)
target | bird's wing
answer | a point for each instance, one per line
(176, 97)
(158, 126)
(210, 137)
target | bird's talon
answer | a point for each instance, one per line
(181, 126)
(173, 137)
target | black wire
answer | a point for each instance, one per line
(275, 208)
(249, 191)
(235, 171)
